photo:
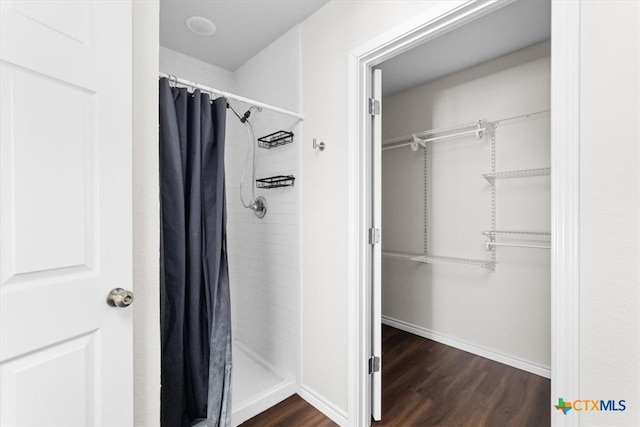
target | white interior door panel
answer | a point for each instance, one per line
(65, 213)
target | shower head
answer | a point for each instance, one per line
(248, 113)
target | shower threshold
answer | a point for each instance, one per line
(255, 386)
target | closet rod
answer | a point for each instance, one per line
(487, 244)
(480, 126)
(228, 95)
(435, 138)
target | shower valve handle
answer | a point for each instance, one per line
(119, 297)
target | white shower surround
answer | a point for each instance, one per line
(264, 254)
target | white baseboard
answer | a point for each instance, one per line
(261, 403)
(543, 371)
(329, 409)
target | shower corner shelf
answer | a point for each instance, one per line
(431, 259)
(276, 181)
(275, 139)
(525, 173)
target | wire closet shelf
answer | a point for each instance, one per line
(476, 128)
(535, 239)
(421, 138)
(525, 173)
(430, 259)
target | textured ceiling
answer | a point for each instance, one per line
(244, 27)
(513, 27)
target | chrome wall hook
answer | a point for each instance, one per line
(320, 146)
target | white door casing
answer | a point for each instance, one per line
(376, 261)
(65, 213)
(565, 17)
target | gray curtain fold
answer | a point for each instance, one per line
(195, 302)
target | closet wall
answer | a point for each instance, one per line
(504, 314)
(264, 254)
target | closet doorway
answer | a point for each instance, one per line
(459, 216)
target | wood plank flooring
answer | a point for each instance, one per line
(292, 412)
(425, 383)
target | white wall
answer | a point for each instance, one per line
(609, 293)
(609, 191)
(186, 67)
(506, 311)
(327, 37)
(610, 208)
(146, 213)
(264, 254)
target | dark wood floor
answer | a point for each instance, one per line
(425, 383)
(292, 412)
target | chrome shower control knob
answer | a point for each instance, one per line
(119, 297)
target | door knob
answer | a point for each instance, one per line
(119, 297)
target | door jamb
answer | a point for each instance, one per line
(565, 138)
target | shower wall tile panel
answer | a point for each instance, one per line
(264, 254)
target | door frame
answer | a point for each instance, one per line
(565, 180)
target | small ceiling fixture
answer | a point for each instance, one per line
(200, 25)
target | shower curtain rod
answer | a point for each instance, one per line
(228, 95)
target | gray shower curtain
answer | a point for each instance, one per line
(195, 304)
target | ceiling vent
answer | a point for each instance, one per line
(200, 26)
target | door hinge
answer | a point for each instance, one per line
(374, 107)
(374, 364)
(374, 236)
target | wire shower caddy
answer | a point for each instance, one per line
(275, 139)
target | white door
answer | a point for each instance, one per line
(376, 261)
(65, 213)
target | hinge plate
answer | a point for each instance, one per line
(374, 236)
(374, 364)
(374, 107)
